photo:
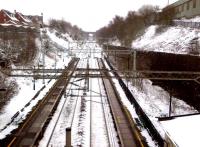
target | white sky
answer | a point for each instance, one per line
(90, 15)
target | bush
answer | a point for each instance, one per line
(62, 27)
(127, 29)
(18, 44)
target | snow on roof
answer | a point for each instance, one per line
(184, 131)
(11, 22)
(25, 23)
(176, 3)
(10, 15)
(25, 19)
(6, 24)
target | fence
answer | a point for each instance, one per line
(187, 24)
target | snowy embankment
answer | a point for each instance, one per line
(25, 86)
(174, 39)
(153, 99)
(195, 19)
(155, 103)
(62, 40)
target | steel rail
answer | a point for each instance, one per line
(48, 142)
(109, 130)
(128, 135)
(47, 105)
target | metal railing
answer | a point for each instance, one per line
(186, 23)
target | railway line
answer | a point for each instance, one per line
(67, 113)
(110, 130)
(100, 115)
(87, 98)
(128, 135)
(33, 128)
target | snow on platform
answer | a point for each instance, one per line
(183, 130)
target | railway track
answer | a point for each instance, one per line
(97, 113)
(31, 131)
(127, 133)
(109, 124)
(146, 122)
(67, 113)
(99, 93)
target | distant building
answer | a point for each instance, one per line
(8, 17)
(184, 8)
(23, 19)
(17, 18)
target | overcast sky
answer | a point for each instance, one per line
(90, 15)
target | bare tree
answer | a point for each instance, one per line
(149, 13)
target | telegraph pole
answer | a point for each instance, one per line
(134, 67)
(170, 104)
(33, 77)
(43, 53)
(55, 58)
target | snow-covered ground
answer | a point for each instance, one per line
(71, 113)
(153, 99)
(60, 41)
(174, 39)
(18, 102)
(155, 102)
(84, 111)
(131, 109)
(26, 92)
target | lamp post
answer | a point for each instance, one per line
(56, 58)
(170, 104)
(42, 47)
(134, 68)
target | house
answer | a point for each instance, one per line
(8, 17)
(23, 19)
(184, 8)
(18, 18)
